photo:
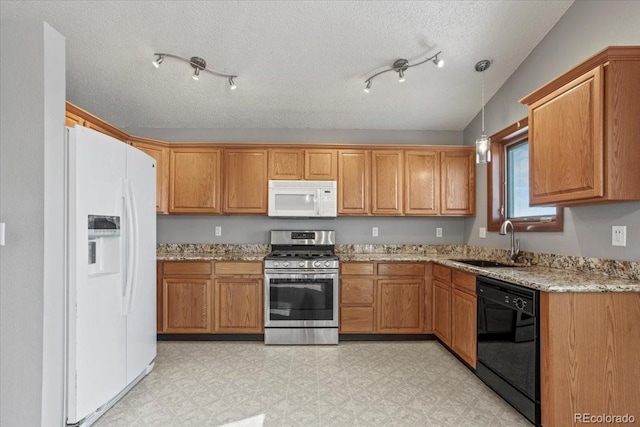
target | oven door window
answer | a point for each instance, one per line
(507, 344)
(301, 299)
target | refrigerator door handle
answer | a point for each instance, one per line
(133, 247)
(130, 248)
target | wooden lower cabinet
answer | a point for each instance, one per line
(400, 305)
(238, 305)
(454, 311)
(589, 360)
(210, 297)
(442, 311)
(382, 298)
(357, 296)
(463, 325)
(187, 305)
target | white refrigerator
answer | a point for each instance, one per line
(111, 271)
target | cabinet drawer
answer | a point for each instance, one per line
(464, 281)
(237, 267)
(356, 319)
(187, 267)
(401, 269)
(359, 268)
(442, 273)
(356, 290)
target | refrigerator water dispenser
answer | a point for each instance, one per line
(104, 254)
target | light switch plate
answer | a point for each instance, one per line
(374, 231)
(438, 232)
(1, 233)
(483, 233)
(619, 235)
(218, 231)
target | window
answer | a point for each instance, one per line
(508, 185)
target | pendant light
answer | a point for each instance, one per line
(483, 144)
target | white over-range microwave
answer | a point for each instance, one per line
(304, 199)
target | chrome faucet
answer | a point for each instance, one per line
(515, 243)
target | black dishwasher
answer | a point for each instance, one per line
(508, 343)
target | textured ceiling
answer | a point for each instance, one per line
(300, 64)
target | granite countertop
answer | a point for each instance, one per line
(539, 277)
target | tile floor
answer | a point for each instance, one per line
(210, 383)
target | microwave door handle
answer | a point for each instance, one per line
(318, 202)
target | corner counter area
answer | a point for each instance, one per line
(589, 309)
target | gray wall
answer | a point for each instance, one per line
(31, 292)
(586, 28)
(255, 229)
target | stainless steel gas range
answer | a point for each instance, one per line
(301, 288)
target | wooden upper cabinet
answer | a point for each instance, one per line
(457, 182)
(387, 176)
(71, 119)
(321, 164)
(160, 152)
(584, 132)
(75, 115)
(354, 172)
(421, 182)
(246, 180)
(307, 164)
(286, 163)
(194, 180)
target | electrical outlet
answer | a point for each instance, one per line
(218, 231)
(483, 233)
(619, 235)
(374, 231)
(438, 232)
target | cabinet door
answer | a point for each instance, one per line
(356, 320)
(421, 182)
(356, 290)
(246, 182)
(286, 163)
(187, 305)
(161, 155)
(386, 180)
(354, 171)
(463, 326)
(442, 311)
(566, 147)
(457, 183)
(321, 164)
(194, 180)
(400, 306)
(238, 305)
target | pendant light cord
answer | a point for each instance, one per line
(483, 103)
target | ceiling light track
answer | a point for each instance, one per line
(400, 66)
(198, 64)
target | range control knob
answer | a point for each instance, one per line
(285, 264)
(520, 303)
(276, 263)
(327, 263)
(316, 264)
(301, 264)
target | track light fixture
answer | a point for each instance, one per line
(198, 64)
(483, 144)
(400, 66)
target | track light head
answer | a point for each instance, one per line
(158, 61)
(232, 84)
(439, 62)
(196, 74)
(367, 88)
(400, 76)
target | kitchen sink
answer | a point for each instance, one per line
(484, 263)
